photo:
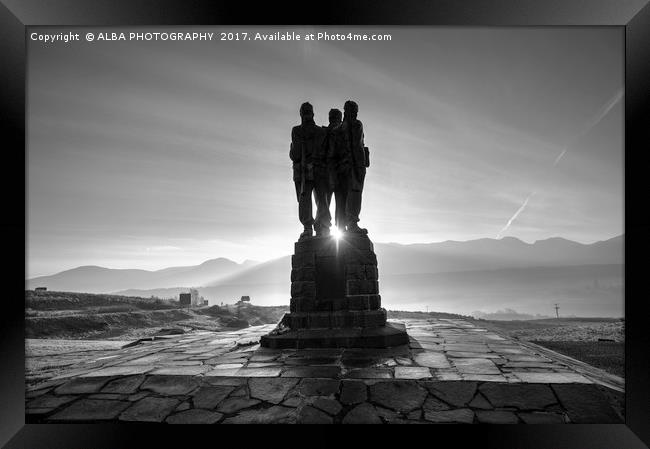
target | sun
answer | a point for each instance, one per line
(336, 233)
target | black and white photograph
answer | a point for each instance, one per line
(324, 225)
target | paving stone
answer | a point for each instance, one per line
(480, 402)
(261, 364)
(464, 354)
(118, 371)
(49, 402)
(586, 404)
(554, 378)
(485, 377)
(293, 401)
(124, 385)
(234, 381)
(329, 406)
(353, 392)
(541, 418)
(181, 370)
(515, 365)
(316, 352)
(228, 366)
(331, 372)
(263, 357)
(271, 390)
(90, 410)
(446, 375)
(114, 396)
(222, 372)
(209, 397)
(514, 350)
(370, 373)
(402, 396)
(311, 415)
(467, 348)
(259, 372)
(194, 416)
(433, 404)
(183, 406)
(138, 396)
(412, 372)
(522, 396)
(181, 363)
(31, 394)
(476, 366)
(414, 415)
(362, 414)
(150, 409)
(312, 361)
(274, 415)
(82, 385)
(432, 360)
(319, 387)
(526, 358)
(405, 361)
(239, 392)
(148, 360)
(461, 415)
(360, 362)
(456, 393)
(232, 405)
(496, 417)
(170, 385)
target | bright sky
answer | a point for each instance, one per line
(156, 154)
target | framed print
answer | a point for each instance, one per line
(360, 213)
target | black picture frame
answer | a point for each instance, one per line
(632, 15)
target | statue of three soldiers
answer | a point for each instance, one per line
(329, 159)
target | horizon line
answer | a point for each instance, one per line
(259, 262)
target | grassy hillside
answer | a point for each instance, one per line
(51, 300)
(96, 316)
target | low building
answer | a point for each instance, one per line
(194, 295)
(40, 289)
(185, 299)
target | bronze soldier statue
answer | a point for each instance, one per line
(352, 161)
(307, 154)
(335, 184)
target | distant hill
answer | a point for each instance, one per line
(492, 254)
(94, 279)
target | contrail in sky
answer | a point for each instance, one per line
(594, 121)
(557, 159)
(520, 210)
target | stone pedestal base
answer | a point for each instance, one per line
(335, 299)
(389, 335)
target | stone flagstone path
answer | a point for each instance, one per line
(452, 371)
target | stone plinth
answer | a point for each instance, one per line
(335, 299)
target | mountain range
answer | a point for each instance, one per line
(453, 276)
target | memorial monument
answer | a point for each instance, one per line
(335, 301)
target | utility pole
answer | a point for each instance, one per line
(557, 307)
